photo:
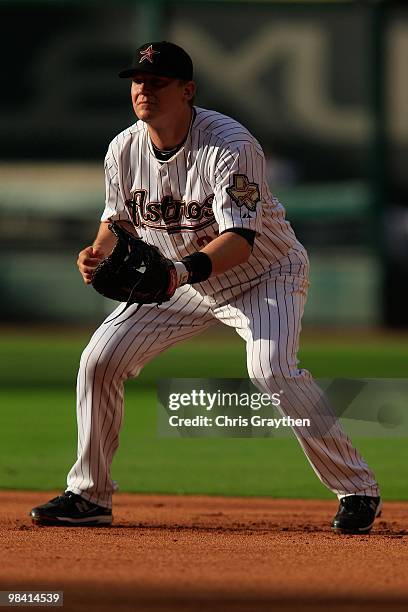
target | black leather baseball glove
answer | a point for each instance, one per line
(135, 272)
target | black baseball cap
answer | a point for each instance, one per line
(163, 59)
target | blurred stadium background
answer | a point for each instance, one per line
(323, 86)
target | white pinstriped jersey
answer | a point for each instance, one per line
(214, 183)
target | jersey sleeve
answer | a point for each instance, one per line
(114, 205)
(238, 190)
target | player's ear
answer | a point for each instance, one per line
(189, 90)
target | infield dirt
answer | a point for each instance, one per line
(210, 553)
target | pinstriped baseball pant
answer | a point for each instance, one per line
(268, 317)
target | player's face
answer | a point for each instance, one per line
(154, 96)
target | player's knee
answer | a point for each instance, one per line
(273, 365)
(270, 374)
(107, 365)
(100, 364)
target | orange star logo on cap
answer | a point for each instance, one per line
(147, 54)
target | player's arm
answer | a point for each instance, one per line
(92, 255)
(231, 248)
(237, 194)
(227, 251)
(239, 179)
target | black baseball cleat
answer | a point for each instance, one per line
(71, 509)
(356, 514)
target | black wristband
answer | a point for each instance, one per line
(199, 267)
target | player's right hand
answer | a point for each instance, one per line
(88, 260)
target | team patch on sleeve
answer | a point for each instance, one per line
(243, 192)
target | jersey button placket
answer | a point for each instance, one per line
(165, 180)
(166, 189)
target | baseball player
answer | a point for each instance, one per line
(192, 182)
